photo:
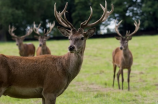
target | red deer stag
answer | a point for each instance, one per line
(24, 49)
(43, 49)
(47, 76)
(122, 56)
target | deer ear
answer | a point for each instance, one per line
(129, 38)
(90, 32)
(36, 37)
(64, 32)
(118, 38)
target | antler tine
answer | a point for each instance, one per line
(116, 27)
(35, 28)
(136, 28)
(51, 27)
(28, 33)
(59, 18)
(127, 33)
(83, 24)
(102, 18)
(108, 12)
(68, 21)
(11, 31)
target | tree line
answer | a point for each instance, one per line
(22, 14)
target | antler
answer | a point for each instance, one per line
(102, 18)
(36, 29)
(51, 27)
(136, 28)
(28, 33)
(116, 27)
(11, 31)
(64, 22)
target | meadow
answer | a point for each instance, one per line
(93, 85)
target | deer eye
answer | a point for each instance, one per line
(82, 38)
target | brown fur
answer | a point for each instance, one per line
(42, 51)
(122, 59)
(24, 49)
(45, 76)
(27, 50)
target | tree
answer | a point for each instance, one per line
(82, 11)
(149, 15)
(128, 11)
(22, 13)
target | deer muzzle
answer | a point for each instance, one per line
(71, 48)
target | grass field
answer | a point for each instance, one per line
(93, 85)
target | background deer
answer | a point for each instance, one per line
(47, 76)
(43, 49)
(24, 49)
(122, 56)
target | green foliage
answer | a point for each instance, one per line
(93, 85)
(22, 14)
(149, 14)
(126, 10)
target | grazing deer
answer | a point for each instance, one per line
(47, 76)
(43, 49)
(24, 49)
(122, 56)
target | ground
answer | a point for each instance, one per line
(93, 85)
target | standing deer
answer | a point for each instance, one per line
(122, 56)
(47, 76)
(24, 49)
(43, 49)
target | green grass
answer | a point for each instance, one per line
(93, 85)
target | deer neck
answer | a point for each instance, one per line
(126, 52)
(21, 46)
(44, 48)
(75, 63)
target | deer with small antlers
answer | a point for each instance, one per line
(48, 76)
(122, 56)
(43, 49)
(24, 49)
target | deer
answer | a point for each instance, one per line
(122, 56)
(43, 49)
(48, 76)
(24, 49)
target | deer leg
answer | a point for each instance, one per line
(114, 66)
(43, 101)
(49, 98)
(118, 75)
(2, 88)
(122, 78)
(129, 71)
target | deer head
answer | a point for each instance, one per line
(124, 39)
(42, 39)
(78, 37)
(19, 40)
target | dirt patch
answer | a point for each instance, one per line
(156, 84)
(92, 87)
(137, 72)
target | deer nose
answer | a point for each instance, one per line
(121, 48)
(40, 45)
(71, 48)
(17, 44)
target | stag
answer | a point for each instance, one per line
(24, 49)
(122, 56)
(47, 76)
(43, 49)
